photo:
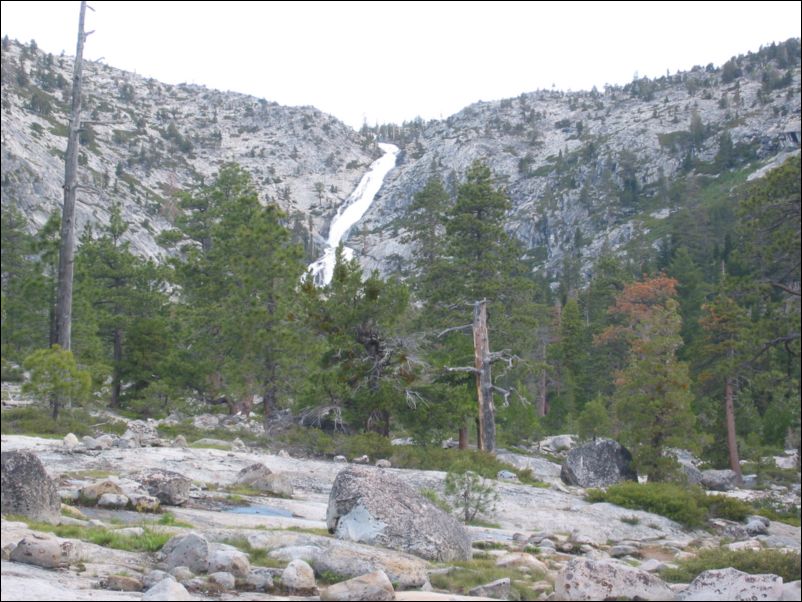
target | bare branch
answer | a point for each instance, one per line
(414, 398)
(462, 369)
(791, 291)
(455, 328)
(774, 342)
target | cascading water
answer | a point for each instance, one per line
(351, 212)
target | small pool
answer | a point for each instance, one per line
(260, 510)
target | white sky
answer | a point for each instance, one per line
(393, 61)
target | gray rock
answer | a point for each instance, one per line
(170, 487)
(112, 500)
(506, 475)
(224, 558)
(206, 421)
(652, 565)
(94, 491)
(719, 480)
(792, 592)
(105, 442)
(361, 460)
(190, 550)
(143, 433)
(598, 464)
(71, 441)
(182, 574)
(151, 578)
(383, 464)
(372, 506)
(222, 581)
(167, 590)
(538, 466)
(260, 477)
(144, 503)
(584, 579)
(500, 589)
(89, 443)
(46, 551)
(289, 553)
(214, 443)
(757, 525)
(298, 578)
(180, 441)
(624, 550)
(340, 459)
(557, 443)
(259, 580)
(373, 586)
(26, 488)
(732, 584)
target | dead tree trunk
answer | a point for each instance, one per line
(732, 443)
(484, 382)
(66, 260)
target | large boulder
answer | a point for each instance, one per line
(170, 487)
(585, 579)
(299, 578)
(260, 477)
(142, 433)
(190, 550)
(47, 551)
(732, 584)
(719, 480)
(26, 488)
(598, 464)
(371, 506)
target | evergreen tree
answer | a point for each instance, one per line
(652, 400)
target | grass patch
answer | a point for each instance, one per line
(36, 421)
(192, 433)
(479, 571)
(434, 498)
(689, 506)
(168, 519)
(149, 541)
(258, 556)
(450, 460)
(310, 530)
(88, 474)
(755, 562)
(71, 512)
(630, 520)
(247, 490)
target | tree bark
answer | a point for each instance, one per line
(484, 381)
(66, 261)
(116, 381)
(732, 443)
(463, 437)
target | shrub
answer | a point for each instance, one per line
(469, 493)
(667, 499)
(33, 420)
(434, 498)
(55, 377)
(373, 445)
(755, 562)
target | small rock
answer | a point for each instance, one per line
(521, 559)
(259, 579)
(624, 550)
(105, 441)
(340, 459)
(500, 588)
(182, 574)
(170, 487)
(89, 443)
(719, 480)
(112, 500)
(167, 590)
(361, 460)
(372, 586)
(190, 550)
(229, 560)
(283, 454)
(94, 491)
(756, 527)
(259, 476)
(71, 441)
(180, 441)
(144, 503)
(383, 463)
(151, 578)
(748, 544)
(222, 581)
(123, 583)
(652, 565)
(506, 475)
(298, 578)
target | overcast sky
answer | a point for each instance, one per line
(393, 61)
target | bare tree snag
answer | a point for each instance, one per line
(732, 443)
(66, 260)
(484, 382)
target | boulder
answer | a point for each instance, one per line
(46, 551)
(123, 583)
(298, 578)
(144, 503)
(112, 501)
(143, 433)
(94, 491)
(259, 579)
(353, 559)
(377, 508)
(70, 441)
(719, 480)
(151, 578)
(180, 441)
(26, 488)
(383, 463)
(521, 560)
(585, 579)
(373, 586)
(221, 581)
(167, 590)
(557, 443)
(792, 591)
(170, 487)
(757, 525)
(225, 558)
(190, 550)
(598, 464)
(499, 589)
(732, 584)
(260, 477)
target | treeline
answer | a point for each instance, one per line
(694, 344)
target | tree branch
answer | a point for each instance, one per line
(462, 369)
(787, 289)
(455, 328)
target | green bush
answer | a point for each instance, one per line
(37, 421)
(307, 440)
(373, 445)
(722, 506)
(755, 562)
(435, 458)
(470, 494)
(56, 379)
(667, 499)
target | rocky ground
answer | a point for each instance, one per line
(542, 538)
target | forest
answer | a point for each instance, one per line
(692, 343)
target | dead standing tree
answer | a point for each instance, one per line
(66, 260)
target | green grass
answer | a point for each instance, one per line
(258, 556)
(247, 490)
(434, 498)
(479, 571)
(36, 421)
(192, 433)
(168, 519)
(149, 541)
(210, 446)
(755, 562)
(449, 460)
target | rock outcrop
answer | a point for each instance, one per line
(26, 487)
(372, 506)
(598, 464)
